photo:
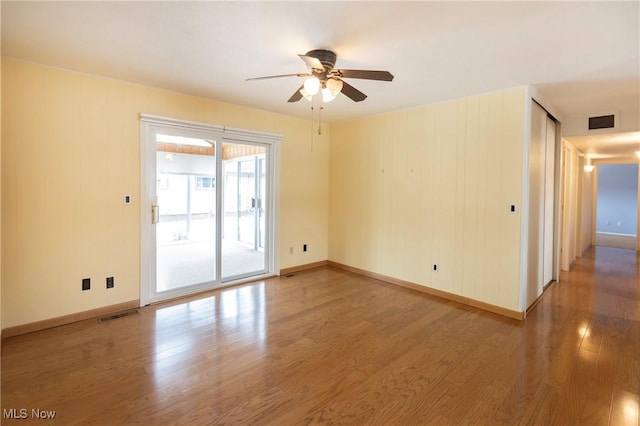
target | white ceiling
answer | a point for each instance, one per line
(581, 56)
(606, 147)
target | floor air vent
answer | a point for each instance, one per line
(290, 275)
(119, 315)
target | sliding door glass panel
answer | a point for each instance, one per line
(186, 228)
(244, 206)
(247, 201)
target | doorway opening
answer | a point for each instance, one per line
(616, 222)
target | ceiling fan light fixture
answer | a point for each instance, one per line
(311, 86)
(335, 86)
(332, 87)
(322, 74)
(306, 95)
(327, 96)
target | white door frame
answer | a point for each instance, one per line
(149, 124)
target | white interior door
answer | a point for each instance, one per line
(549, 197)
(536, 204)
(541, 203)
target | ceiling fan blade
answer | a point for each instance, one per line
(296, 96)
(312, 63)
(366, 74)
(352, 92)
(278, 76)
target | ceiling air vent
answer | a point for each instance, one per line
(601, 122)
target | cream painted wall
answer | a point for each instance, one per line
(570, 230)
(70, 152)
(0, 183)
(585, 210)
(433, 185)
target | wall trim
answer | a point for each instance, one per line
(68, 319)
(432, 291)
(610, 239)
(538, 299)
(304, 267)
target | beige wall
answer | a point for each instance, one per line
(570, 230)
(70, 152)
(585, 209)
(0, 182)
(433, 185)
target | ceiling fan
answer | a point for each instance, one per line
(323, 77)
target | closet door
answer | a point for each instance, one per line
(549, 185)
(537, 159)
(542, 166)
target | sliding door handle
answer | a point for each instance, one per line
(155, 214)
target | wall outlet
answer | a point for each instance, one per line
(86, 284)
(304, 247)
(110, 282)
(435, 267)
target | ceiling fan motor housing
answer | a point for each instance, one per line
(326, 57)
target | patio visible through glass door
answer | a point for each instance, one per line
(186, 213)
(244, 207)
(207, 211)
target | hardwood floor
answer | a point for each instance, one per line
(329, 346)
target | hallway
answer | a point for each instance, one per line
(587, 335)
(329, 346)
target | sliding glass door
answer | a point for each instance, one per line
(244, 208)
(206, 210)
(186, 212)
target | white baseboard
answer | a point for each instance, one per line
(623, 241)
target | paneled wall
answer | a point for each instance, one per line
(71, 150)
(433, 185)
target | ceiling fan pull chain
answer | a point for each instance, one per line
(312, 126)
(320, 120)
